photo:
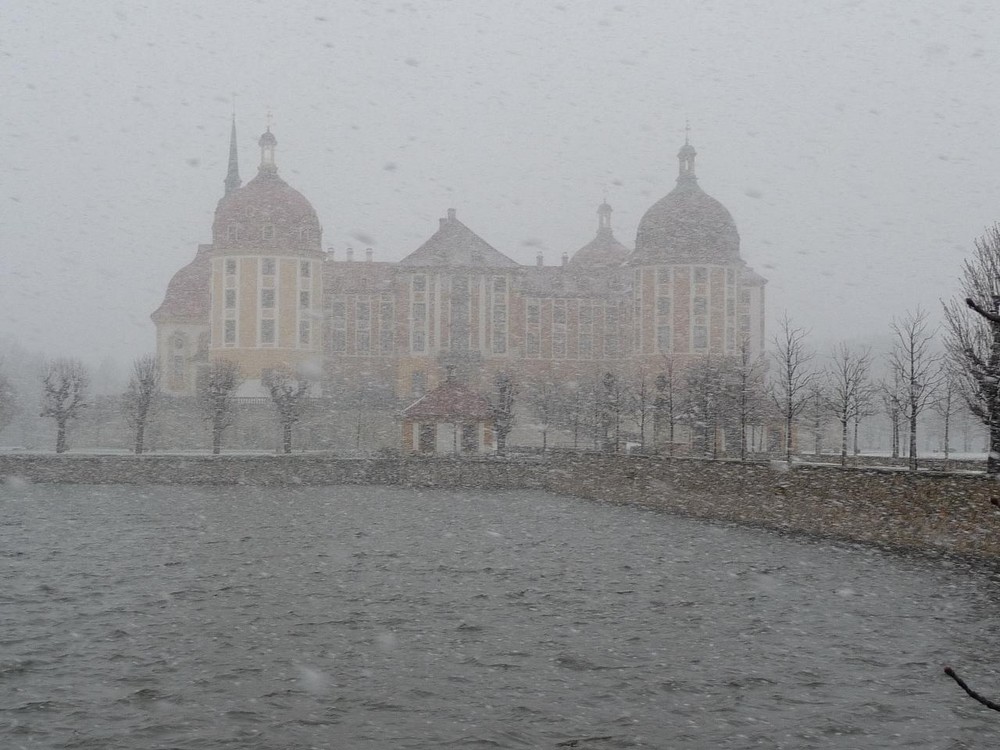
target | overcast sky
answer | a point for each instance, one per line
(855, 143)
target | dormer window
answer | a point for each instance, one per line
(233, 233)
(267, 232)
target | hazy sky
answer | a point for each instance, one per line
(855, 143)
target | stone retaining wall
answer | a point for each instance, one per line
(929, 512)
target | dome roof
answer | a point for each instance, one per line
(188, 296)
(266, 215)
(268, 139)
(604, 251)
(687, 225)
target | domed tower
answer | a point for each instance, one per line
(694, 294)
(266, 273)
(602, 252)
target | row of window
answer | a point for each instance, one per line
(266, 233)
(267, 302)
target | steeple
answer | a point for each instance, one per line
(685, 158)
(233, 180)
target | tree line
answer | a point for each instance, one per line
(713, 399)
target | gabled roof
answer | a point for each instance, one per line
(454, 244)
(188, 297)
(450, 400)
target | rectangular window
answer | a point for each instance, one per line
(363, 326)
(304, 269)
(700, 339)
(230, 267)
(386, 320)
(267, 299)
(233, 233)
(585, 341)
(304, 332)
(267, 232)
(531, 344)
(304, 300)
(700, 275)
(534, 313)
(470, 438)
(230, 299)
(612, 341)
(559, 328)
(267, 266)
(338, 325)
(426, 438)
(663, 338)
(420, 283)
(267, 331)
(419, 341)
(499, 315)
(230, 332)
(418, 384)
(700, 306)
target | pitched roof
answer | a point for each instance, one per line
(454, 244)
(450, 400)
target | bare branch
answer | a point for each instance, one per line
(970, 692)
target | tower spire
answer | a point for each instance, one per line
(233, 180)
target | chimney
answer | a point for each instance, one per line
(539, 260)
(451, 214)
(329, 252)
(368, 255)
(350, 254)
(565, 259)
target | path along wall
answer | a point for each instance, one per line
(948, 513)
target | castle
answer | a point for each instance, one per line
(265, 294)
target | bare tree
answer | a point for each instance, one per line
(816, 410)
(614, 407)
(891, 393)
(64, 394)
(973, 342)
(216, 397)
(748, 373)
(849, 387)
(546, 400)
(793, 375)
(706, 399)
(505, 394)
(8, 402)
(288, 393)
(576, 411)
(141, 397)
(666, 405)
(643, 404)
(946, 406)
(918, 368)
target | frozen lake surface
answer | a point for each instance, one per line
(371, 617)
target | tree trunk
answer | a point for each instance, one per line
(139, 435)
(61, 436)
(286, 437)
(216, 437)
(857, 451)
(913, 440)
(993, 459)
(788, 439)
(843, 441)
